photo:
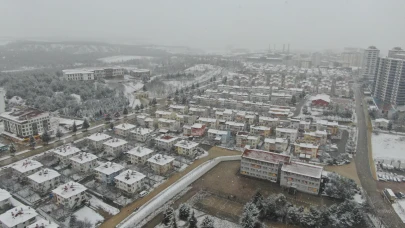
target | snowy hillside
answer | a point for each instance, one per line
(122, 58)
(199, 68)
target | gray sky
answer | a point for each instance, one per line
(209, 24)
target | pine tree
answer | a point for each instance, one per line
(207, 222)
(154, 102)
(74, 127)
(311, 218)
(192, 221)
(112, 125)
(168, 216)
(86, 124)
(258, 200)
(247, 220)
(59, 134)
(141, 107)
(32, 141)
(197, 85)
(101, 113)
(45, 137)
(293, 100)
(293, 215)
(184, 212)
(144, 88)
(173, 223)
(137, 107)
(125, 112)
(12, 149)
(177, 92)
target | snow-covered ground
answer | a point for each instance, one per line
(388, 147)
(77, 97)
(89, 214)
(199, 68)
(129, 89)
(122, 58)
(96, 202)
(399, 208)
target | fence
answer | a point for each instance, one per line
(160, 199)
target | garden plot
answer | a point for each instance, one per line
(388, 148)
(98, 203)
(86, 213)
(57, 212)
(29, 195)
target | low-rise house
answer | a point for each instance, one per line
(208, 122)
(124, 129)
(141, 134)
(84, 162)
(130, 181)
(320, 100)
(161, 164)
(26, 167)
(288, 133)
(331, 127)
(186, 130)
(304, 125)
(44, 180)
(18, 217)
(279, 113)
(306, 150)
(198, 130)
(70, 195)
(302, 177)
(166, 142)
(196, 111)
(139, 155)
(251, 118)
(268, 121)
(221, 136)
(179, 109)
(277, 145)
(171, 125)
(98, 139)
(234, 126)
(65, 152)
(43, 223)
(260, 130)
(381, 123)
(5, 197)
(253, 141)
(320, 137)
(186, 148)
(241, 139)
(115, 146)
(165, 114)
(150, 123)
(262, 164)
(107, 171)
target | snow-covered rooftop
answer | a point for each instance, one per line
(167, 138)
(140, 151)
(83, 157)
(24, 166)
(197, 125)
(4, 195)
(43, 223)
(217, 132)
(160, 159)
(141, 131)
(303, 169)
(327, 123)
(23, 115)
(236, 124)
(115, 142)
(109, 168)
(130, 176)
(66, 150)
(275, 140)
(69, 189)
(17, 215)
(186, 144)
(44, 175)
(163, 120)
(98, 137)
(125, 126)
(287, 130)
(260, 128)
(265, 156)
(324, 97)
(265, 118)
(177, 106)
(307, 145)
(208, 120)
(316, 133)
(381, 120)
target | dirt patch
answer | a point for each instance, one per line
(348, 171)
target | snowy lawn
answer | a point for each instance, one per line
(388, 146)
(89, 214)
(98, 203)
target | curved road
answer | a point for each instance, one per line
(382, 208)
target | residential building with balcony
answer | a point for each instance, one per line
(166, 142)
(260, 130)
(168, 124)
(78, 75)
(44, 180)
(130, 181)
(306, 150)
(277, 145)
(287, 133)
(115, 146)
(84, 162)
(18, 217)
(161, 164)
(107, 171)
(369, 66)
(5, 197)
(141, 134)
(218, 135)
(302, 177)
(26, 167)
(124, 129)
(65, 152)
(198, 130)
(186, 148)
(97, 140)
(319, 137)
(70, 195)
(140, 155)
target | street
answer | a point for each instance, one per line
(382, 209)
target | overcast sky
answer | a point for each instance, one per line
(210, 24)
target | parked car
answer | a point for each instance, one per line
(143, 193)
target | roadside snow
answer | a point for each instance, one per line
(87, 213)
(388, 146)
(122, 58)
(399, 208)
(96, 202)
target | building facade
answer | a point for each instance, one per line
(130, 181)
(302, 177)
(70, 195)
(369, 66)
(25, 122)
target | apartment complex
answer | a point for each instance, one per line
(44, 180)
(139, 155)
(86, 74)
(129, 181)
(78, 75)
(107, 171)
(302, 177)
(25, 122)
(70, 195)
(370, 57)
(18, 217)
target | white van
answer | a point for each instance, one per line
(143, 193)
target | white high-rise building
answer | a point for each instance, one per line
(369, 66)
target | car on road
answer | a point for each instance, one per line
(143, 193)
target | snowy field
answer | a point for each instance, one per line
(122, 58)
(96, 202)
(388, 147)
(89, 214)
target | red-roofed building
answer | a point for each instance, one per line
(198, 129)
(321, 100)
(262, 164)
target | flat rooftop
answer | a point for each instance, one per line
(167, 138)
(43, 223)
(125, 126)
(141, 131)
(44, 175)
(24, 166)
(23, 115)
(109, 168)
(186, 144)
(115, 142)
(303, 169)
(83, 157)
(98, 137)
(4, 195)
(265, 156)
(17, 215)
(66, 150)
(140, 151)
(69, 189)
(160, 159)
(130, 176)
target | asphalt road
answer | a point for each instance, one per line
(382, 208)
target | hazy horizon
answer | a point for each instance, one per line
(311, 24)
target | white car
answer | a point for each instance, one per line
(143, 193)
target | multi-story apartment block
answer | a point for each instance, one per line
(260, 130)
(241, 138)
(84, 162)
(78, 75)
(302, 177)
(44, 180)
(252, 141)
(268, 121)
(234, 126)
(140, 73)
(166, 142)
(25, 122)
(141, 134)
(218, 135)
(107, 171)
(161, 164)
(116, 146)
(167, 124)
(306, 150)
(18, 217)
(139, 155)
(277, 145)
(208, 122)
(65, 152)
(186, 148)
(26, 167)
(43, 223)
(262, 164)
(114, 72)
(319, 137)
(124, 129)
(165, 114)
(331, 127)
(5, 197)
(370, 57)
(182, 109)
(97, 140)
(389, 84)
(196, 111)
(130, 181)
(70, 195)
(198, 130)
(287, 133)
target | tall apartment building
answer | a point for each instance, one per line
(394, 52)
(351, 58)
(26, 122)
(369, 66)
(389, 85)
